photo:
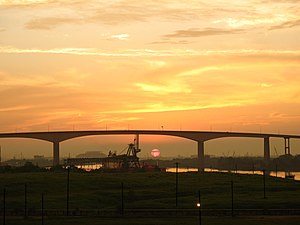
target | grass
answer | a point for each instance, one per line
(158, 221)
(149, 191)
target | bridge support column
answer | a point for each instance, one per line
(200, 155)
(55, 153)
(287, 148)
(266, 152)
(137, 139)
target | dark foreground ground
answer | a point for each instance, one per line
(261, 220)
(103, 192)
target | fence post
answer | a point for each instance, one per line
(232, 208)
(25, 201)
(42, 210)
(68, 189)
(122, 198)
(4, 209)
(176, 188)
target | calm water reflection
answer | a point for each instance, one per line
(274, 174)
(182, 170)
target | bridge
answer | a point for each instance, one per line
(56, 137)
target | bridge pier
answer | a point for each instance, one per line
(287, 144)
(200, 155)
(137, 141)
(266, 152)
(55, 153)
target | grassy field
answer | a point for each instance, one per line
(159, 221)
(148, 191)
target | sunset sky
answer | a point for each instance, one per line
(191, 65)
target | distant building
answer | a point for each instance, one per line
(38, 157)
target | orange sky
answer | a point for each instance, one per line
(191, 65)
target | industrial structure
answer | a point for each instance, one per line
(126, 161)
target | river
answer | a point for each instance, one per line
(280, 174)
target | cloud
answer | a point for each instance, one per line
(128, 11)
(161, 107)
(109, 13)
(117, 119)
(156, 63)
(278, 1)
(285, 25)
(16, 108)
(37, 104)
(151, 52)
(192, 33)
(95, 16)
(21, 2)
(49, 23)
(198, 71)
(277, 116)
(64, 81)
(124, 11)
(121, 37)
(266, 85)
(29, 4)
(203, 84)
(173, 42)
(115, 12)
(252, 20)
(171, 87)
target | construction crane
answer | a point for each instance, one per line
(121, 161)
(124, 161)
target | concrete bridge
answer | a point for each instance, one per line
(199, 136)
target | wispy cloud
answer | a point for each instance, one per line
(278, 1)
(110, 13)
(16, 108)
(146, 52)
(27, 4)
(172, 42)
(253, 21)
(170, 87)
(117, 119)
(51, 22)
(193, 32)
(288, 24)
(64, 80)
(198, 71)
(21, 2)
(121, 37)
(160, 107)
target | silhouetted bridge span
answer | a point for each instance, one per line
(199, 136)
